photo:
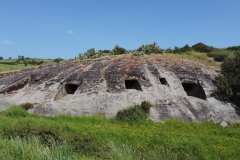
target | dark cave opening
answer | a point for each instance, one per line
(163, 81)
(71, 88)
(17, 87)
(133, 84)
(195, 90)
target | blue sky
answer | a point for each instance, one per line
(64, 28)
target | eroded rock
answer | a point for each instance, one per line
(177, 88)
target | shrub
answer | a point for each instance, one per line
(1, 58)
(220, 54)
(200, 47)
(91, 53)
(150, 48)
(26, 106)
(25, 62)
(85, 145)
(47, 136)
(185, 48)
(117, 50)
(82, 56)
(58, 60)
(229, 82)
(134, 113)
(176, 49)
(169, 50)
(234, 48)
(137, 53)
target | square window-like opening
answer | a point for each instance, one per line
(195, 90)
(163, 81)
(133, 84)
(71, 88)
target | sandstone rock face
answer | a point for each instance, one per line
(177, 88)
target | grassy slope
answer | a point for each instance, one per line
(193, 56)
(7, 68)
(117, 140)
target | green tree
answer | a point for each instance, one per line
(25, 62)
(58, 60)
(91, 52)
(200, 47)
(229, 82)
(118, 50)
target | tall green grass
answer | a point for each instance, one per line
(193, 56)
(97, 137)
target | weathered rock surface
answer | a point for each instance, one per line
(177, 88)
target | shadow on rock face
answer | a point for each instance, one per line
(194, 89)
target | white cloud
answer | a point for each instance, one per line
(7, 42)
(70, 32)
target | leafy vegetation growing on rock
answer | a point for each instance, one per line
(134, 113)
(117, 50)
(150, 48)
(220, 54)
(229, 82)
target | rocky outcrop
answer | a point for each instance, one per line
(177, 88)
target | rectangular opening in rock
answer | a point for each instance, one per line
(195, 90)
(71, 88)
(163, 81)
(17, 87)
(133, 84)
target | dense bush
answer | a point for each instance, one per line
(234, 48)
(82, 56)
(26, 106)
(58, 60)
(169, 50)
(1, 58)
(135, 113)
(85, 145)
(34, 62)
(47, 136)
(229, 82)
(117, 50)
(91, 53)
(185, 48)
(137, 53)
(150, 48)
(220, 54)
(200, 47)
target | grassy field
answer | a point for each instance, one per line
(20, 66)
(26, 136)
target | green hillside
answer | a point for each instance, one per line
(26, 136)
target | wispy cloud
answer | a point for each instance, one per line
(70, 32)
(7, 42)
